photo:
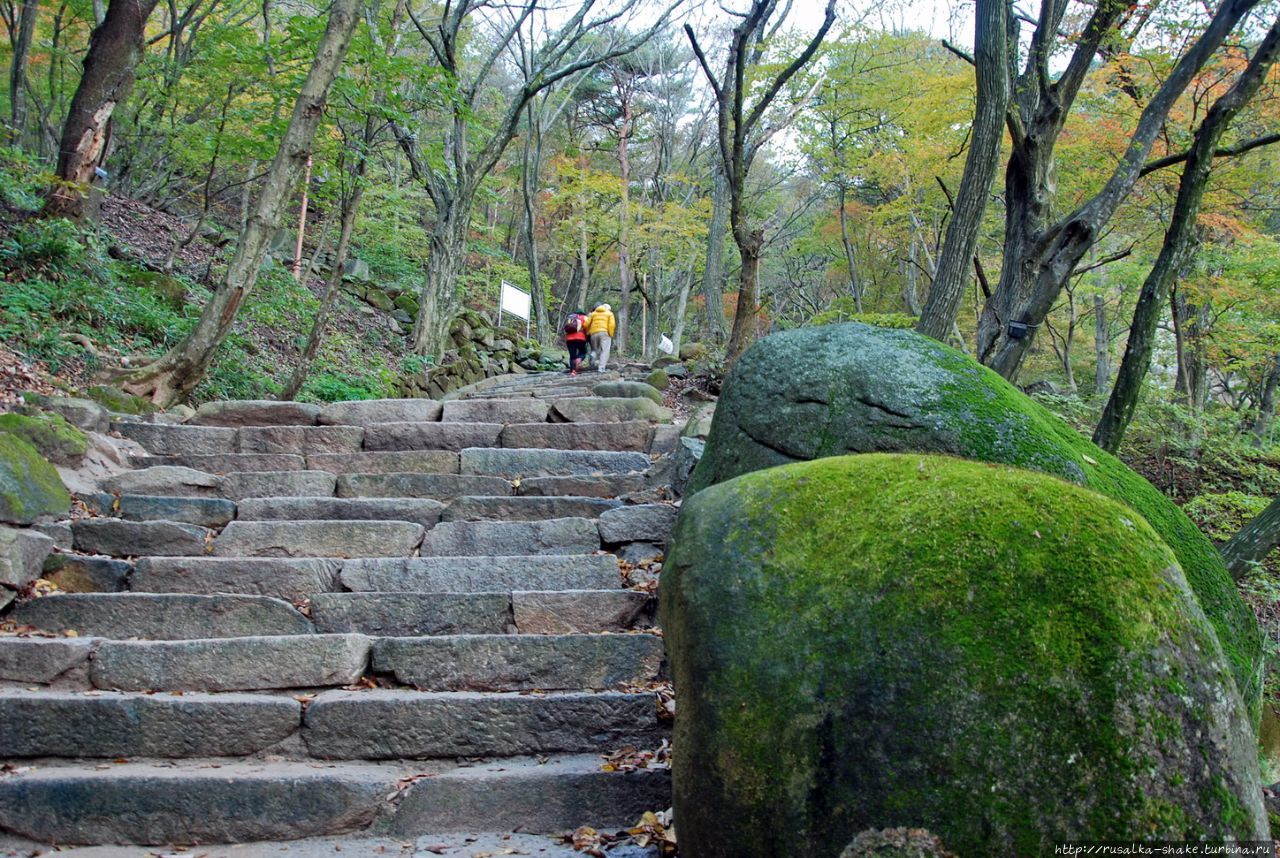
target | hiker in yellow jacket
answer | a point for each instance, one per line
(600, 325)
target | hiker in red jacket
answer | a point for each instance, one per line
(575, 337)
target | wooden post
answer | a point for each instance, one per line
(302, 222)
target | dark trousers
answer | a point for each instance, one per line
(577, 352)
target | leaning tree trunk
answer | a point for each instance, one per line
(744, 316)
(991, 65)
(1179, 245)
(1255, 541)
(115, 49)
(181, 369)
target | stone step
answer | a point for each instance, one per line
(538, 796)
(291, 579)
(161, 616)
(103, 724)
(401, 614)
(116, 537)
(365, 412)
(389, 724)
(195, 802)
(42, 660)
(318, 539)
(82, 573)
(165, 481)
(149, 803)
(650, 522)
(260, 412)
(632, 435)
(513, 508)
(599, 409)
(598, 486)
(519, 662)
(300, 440)
(412, 614)
(536, 462)
(494, 411)
(271, 484)
(549, 536)
(168, 440)
(202, 511)
(226, 463)
(386, 462)
(230, 664)
(441, 487)
(423, 511)
(431, 436)
(484, 574)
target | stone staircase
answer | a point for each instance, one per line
(395, 618)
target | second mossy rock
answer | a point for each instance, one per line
(852, 388)
(998, 656)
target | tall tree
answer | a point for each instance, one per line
(1179, 243)
(991, 66)
(741, 135)
(115, 48)
(454, 181)
(179, 370)
(21, 22)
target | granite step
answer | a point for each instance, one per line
(494, 411)
(176, 440)
(519, 662)
(390, 724)
(225, 463)
(423, 511)
(536, 462)
(299, 440)
(243, 801)
(230, 664)
(288, 578)
(431, 436)
(386, 462)
(115, 537)
(533, 508)
(255, 412)
(440, 487)
(548, 536)
(271, 484)
(318, 539)
(483, 574)
(160, 616)
(367, 411)
(628, 436)
(103, 724)
(202, 511)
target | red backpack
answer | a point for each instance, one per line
(573, 324)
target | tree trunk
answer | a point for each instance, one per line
(624, 230)
(744, 317)
(854, 287)
(713, 272)
(1101, 348)
(178, 371)
(1255, 541)
(115, 49)
(682, 304)
(528, 187)
(1266, 402)
(26, 27)
(331, 288)
(991, 65)
(1178, 246)
(584, 268)
(437, 304)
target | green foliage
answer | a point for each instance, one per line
(843, 309)
(22, 180)
(1219, 516)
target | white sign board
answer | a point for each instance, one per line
(665, 345)
(514, 301)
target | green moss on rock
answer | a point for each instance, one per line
(114, 399)
(853, 388)
(996, 655)
(54, 438)
(29, 485)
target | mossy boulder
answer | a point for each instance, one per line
(169, 289)
(377, 298)
(114, 399)
(853, 388)
(623, 389)
(996, 655)
(51, 435)
(29, 486)
(408, 303)
(658, 379)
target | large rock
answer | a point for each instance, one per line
(853, 388)
(996, 655)
(22, 555)
(29, 485)
(51, 435)
(83, 413)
